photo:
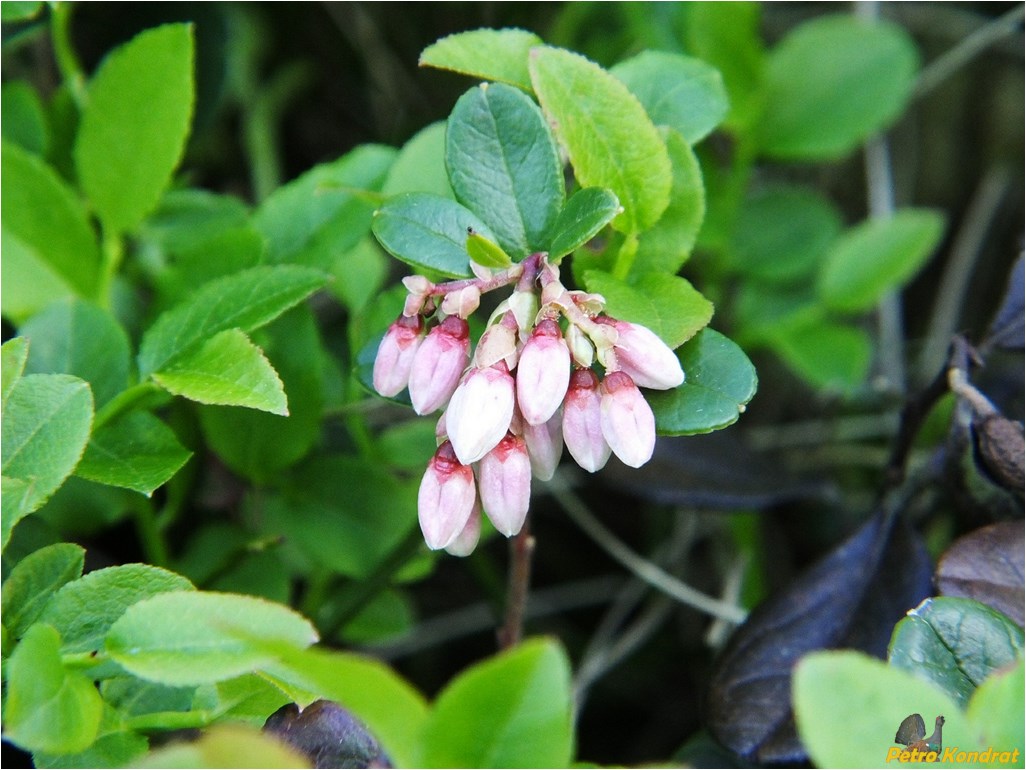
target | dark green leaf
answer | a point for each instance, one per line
(135, 124)
(719, 381)
(504, 166)
(33, 581)
(24, 117)
(490, 54)
(117, 749)
(582, 217)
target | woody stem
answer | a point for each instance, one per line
(521, 546)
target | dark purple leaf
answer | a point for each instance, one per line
(850, 599)
(328, 734)
(1007, 328)
(987, 565)
(999, 451)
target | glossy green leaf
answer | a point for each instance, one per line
(45, 429)
(609, 137)
(782, 233)
(47, 220)
(33, 582)
(48, 708)
(72, 336)
(486, 253)
(227, 369)
(955, 643)
(996, 708)
(135, 124)
(136, 451)
(857, 730)
(84, 610)
(719, 381)
(325, 211)
(246, 301)
(666, 304)
(248, 698)
(513, 710)
(582, 217)
(877, 256)
(193, 637)
(259, 445)
(420, 164)
(428, 232)
(678, 91)
(489, 54)
(132, 696)
(831, 83)
(13, 355)
(668, 243)
(225, 746)
(825, 354)
(24, 117)
(504, 165)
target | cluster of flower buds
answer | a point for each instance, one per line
(531, 385)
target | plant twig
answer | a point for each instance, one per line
(521, 546)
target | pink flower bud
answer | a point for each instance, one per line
(438, 365)
(446, 498)
(395, 356)
(627, 420)
(463, 302)
(545, 445)
(644, 356)
(466, 540)
(543, 373)
(498, 343)
(479, 412)
(504, 481)
(582, 421)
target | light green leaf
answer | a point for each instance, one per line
(24, 117)
(246, 301)
(189, 217)
(27, 282)
(827, 355)
(248, 698)
(359, 274)
(226, 746)
(227, 369)
(135, 124)
(19, 10)
(420, 164)
(48, 708)
(325, 211)
(582, 217)
(117, 749)
(486, 253)
(666, 304)
(513, 710)
(33, 582)
(996, 708)
(72, 336)
(428, 232)
(955, 643)
(876, 256)
(48, 221)
(13, 355)
(678, 91)
(192, 637)
(831, 83)
(609, 137)
(45, 429)
(504, 166)
(136, 451)
(489, 54)
(15, 504)
(719, 382)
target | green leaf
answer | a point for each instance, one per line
(996, 707)
(719, 382)
(227, 369)
(428, 232)
(388, 615)
(831, 83)
(667, 244)
(359, 274)
(27, 282)
(117, 749)
(825, 354)
(504, 165)
(325, 211)
(135, 124)
(189, 217)
(45, 429)
(248, 698)
(513, 710)
(15, 504)
(246, 301)
(876, 256)
(33, 582)
(19, 10)
(678, 91)
(581, 218)
(489, 54)
(782, 232)
(666, 304)
(955, 643)
(72, 336)
(84, 610)
(136, 451)
(192, 637)
(857, 730)
(42, 214)
(13, 355)
(420, 164)
(132, 696)
(226, 746)
(486, 253)
(390, 707)
(610, 139)
(259, 445)
(48, 708)
(24, 117)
